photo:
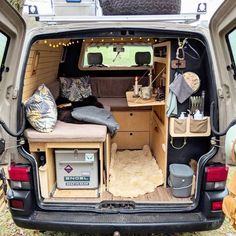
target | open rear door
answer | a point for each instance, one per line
(12, 34)
(223, 33)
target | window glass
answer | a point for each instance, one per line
(232, 44)
(117, 55)
(3, 47)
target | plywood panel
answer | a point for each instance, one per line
(158, 147)
(46, 71)
(159, 137)
(107, 158)
(50, 166)
(76, 193)
(131, 140)
(133, 120)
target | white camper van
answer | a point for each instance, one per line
(113, 123)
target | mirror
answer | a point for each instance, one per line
(118, 48)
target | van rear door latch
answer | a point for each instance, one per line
(117, 205)
(2, 69)
(232, 68)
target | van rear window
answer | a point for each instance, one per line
(232, 44)
(4, 41)
(115, 55)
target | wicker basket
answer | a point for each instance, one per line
(137, 7)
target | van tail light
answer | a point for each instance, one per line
(216, 177)
(19, 176)
(17, 203)
(216, 205)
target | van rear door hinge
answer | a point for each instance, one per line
(12, 92)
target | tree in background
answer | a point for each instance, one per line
(17, 4)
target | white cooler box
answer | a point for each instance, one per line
(77, 169)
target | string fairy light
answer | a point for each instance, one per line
(64, 43)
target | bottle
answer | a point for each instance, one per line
(198, 115)
(182, 116)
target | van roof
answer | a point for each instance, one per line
(68, 11)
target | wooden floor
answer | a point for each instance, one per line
(160, 195)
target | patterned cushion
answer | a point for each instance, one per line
(75, 89)
(41, 110)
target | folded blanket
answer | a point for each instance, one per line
(96, 115)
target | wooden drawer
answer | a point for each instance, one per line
(133, 120)
(131, 140)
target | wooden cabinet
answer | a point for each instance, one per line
(133, 120)
(134, 129)
(47, 173)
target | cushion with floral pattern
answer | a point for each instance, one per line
(41, 110)
(75, 89)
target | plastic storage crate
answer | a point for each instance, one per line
(180, 180)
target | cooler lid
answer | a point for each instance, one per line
(72, 151)
(180, 170)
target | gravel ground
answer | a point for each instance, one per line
(8, 228)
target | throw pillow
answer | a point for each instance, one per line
(41, 110)
(75, 89)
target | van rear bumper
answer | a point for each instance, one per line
(126, 224)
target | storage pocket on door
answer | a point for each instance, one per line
(180, 126)
(198, 126)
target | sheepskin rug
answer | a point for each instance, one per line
(133, 173)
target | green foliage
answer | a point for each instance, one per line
(17, 4)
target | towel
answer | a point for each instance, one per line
(180, 88)
(171, 105)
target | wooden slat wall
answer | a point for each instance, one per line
(47, 69)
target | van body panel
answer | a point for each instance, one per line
(13, 26)
(127, 224)
(147, 217)
(221, 24)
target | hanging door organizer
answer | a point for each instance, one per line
(189, 127)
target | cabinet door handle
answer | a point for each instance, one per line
(131, 114)
(131, 134)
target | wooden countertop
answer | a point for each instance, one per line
(139, 102)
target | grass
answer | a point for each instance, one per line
(8, 228)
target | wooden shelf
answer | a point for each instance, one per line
(160, 60)
(139, 102)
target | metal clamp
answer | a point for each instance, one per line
(180, 54)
